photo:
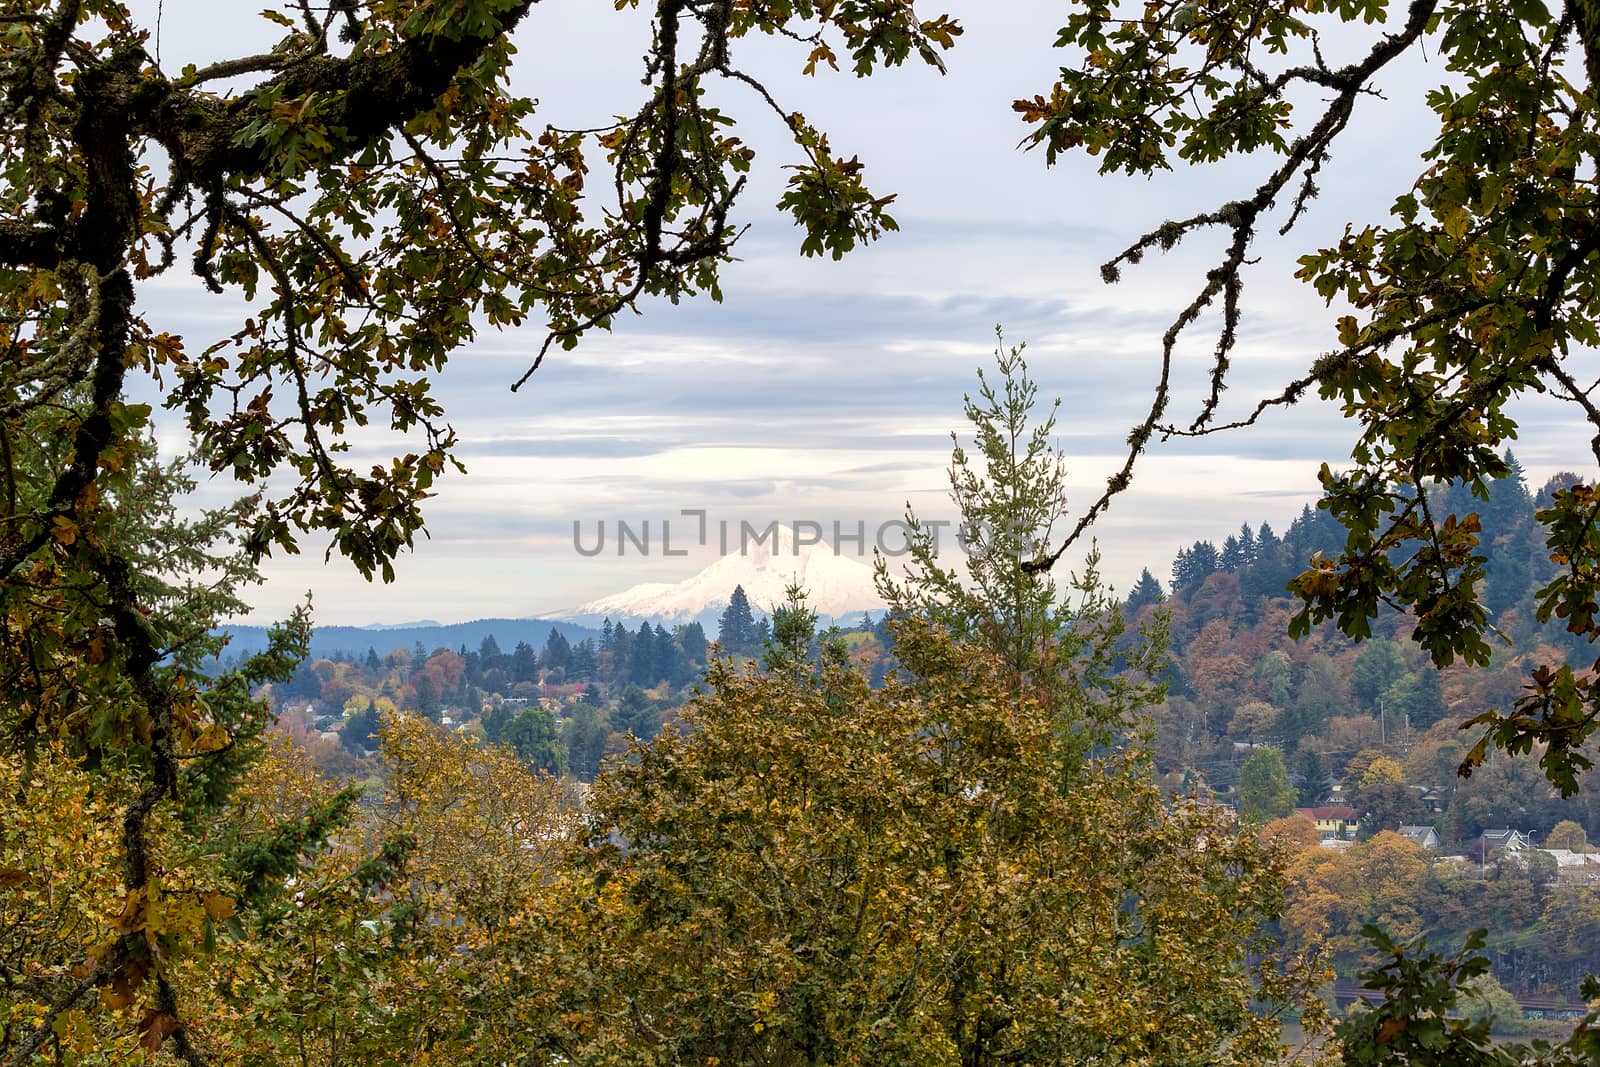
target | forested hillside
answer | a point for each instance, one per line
(1238, 681)
(1271, 724)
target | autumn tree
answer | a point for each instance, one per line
(365, 182)
(404, 931)
(821, 871)
(1296, 833)
(1569, 835)
(1476, 290)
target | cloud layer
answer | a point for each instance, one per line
(827, 391)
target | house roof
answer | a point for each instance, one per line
(1328, 811)
(1502, 834)
(1419, 834)
(1565, 857)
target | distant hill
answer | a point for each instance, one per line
(355, 640)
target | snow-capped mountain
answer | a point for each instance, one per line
(838, 588)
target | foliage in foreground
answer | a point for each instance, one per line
(826, 873)
(1424, 1020)
(1478, 289)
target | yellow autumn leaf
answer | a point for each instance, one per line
(212, 738)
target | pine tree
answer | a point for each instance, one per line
(1146, 593)
(1010, 491)
(1232, 556)
(692, 639)
(584, 732)
(524, 663)
(1247, 545)
(1192, 566)
(1311, 780)
(645, 668)
(636, 714)
(669, 657)
(584, 661)
(736, 631)
(427, 694)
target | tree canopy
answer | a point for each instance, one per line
(365, 180)
(1480, 286)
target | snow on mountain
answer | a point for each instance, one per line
(837, 587)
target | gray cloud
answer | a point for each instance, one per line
(829, 388)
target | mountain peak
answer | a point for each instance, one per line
(835, 586)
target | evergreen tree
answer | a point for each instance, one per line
(1508, 574)
(1416, 699)
(359, 732)
(692, 639)
(1509, 504)
(617, 671)
(371, 662)
(1324, 692)
(584, 661)
(1275, 672)
(1232, 556)
(557, 651)
(1192, 567)
(427, 694)
(669, 658)
(1312, 784)
(524, 663)
(736, 630)
(495, 719)
(1146, 593)
(636, 714)
(1264, 789)
(1010, 491)
(1377, 667)
(645, 669)
(489, 651)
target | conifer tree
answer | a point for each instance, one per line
(1232, 556)
(1146, 592)
(692, 639)
(1311, 781)
(636, 714)
(1010, 491)
(736, 631)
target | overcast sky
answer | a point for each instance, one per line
(826, 391)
